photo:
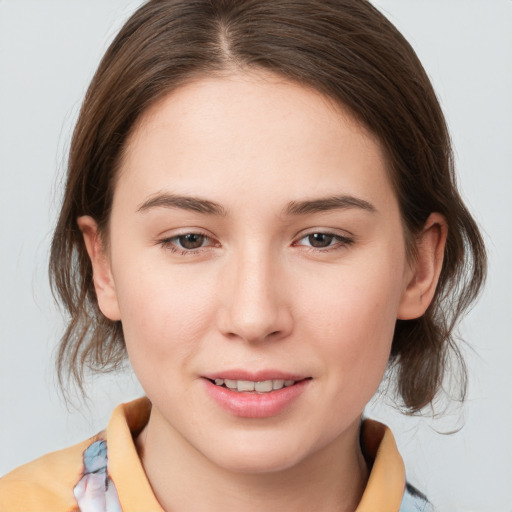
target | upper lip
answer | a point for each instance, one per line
(257, 376)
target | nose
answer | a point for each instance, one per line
(255, 301)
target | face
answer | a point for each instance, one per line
(255, 237)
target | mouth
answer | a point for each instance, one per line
(257, 395)
(257, 387)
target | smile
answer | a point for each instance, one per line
(248, 386)
(259, 397)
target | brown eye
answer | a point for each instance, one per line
(191, 241)
(320, 240)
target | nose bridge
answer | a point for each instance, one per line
(254, 300)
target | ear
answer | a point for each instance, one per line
(425, 269)
(102, 273)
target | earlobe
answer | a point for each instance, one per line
(425, 269)
(102, 273)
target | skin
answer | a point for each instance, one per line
(256, 294)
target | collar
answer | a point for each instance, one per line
(385, 488)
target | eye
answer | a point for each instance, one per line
(187, 243)
(191, 241)
(320, 240)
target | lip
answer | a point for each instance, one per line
(258, 376)
(255, 405)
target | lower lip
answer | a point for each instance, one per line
(256, 405)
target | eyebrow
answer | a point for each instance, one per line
(294, 208)
(190, 203)
(343, 202)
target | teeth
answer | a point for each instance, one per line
(264, 386)
(231, 384)
(277, 383)
(245, 385)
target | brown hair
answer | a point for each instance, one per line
(345, 49)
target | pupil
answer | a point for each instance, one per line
(191, 241)
(320, 240)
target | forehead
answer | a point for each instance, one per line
(251, 134)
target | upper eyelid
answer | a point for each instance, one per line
(194, 231)
(340, 239)
(342, 233)
(327, 233)
(169, 239)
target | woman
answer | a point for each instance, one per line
(261, 212)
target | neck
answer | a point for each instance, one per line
(330, 480)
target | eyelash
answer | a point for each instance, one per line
(340, 241)
(170, 243)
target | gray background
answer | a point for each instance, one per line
(48, 52)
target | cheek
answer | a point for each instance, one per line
(353, 320)
(356, 335)
(164, 317)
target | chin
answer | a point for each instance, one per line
(258, 453)
(259, 463)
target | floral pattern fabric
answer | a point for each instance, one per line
(95, 491)
(414, 501)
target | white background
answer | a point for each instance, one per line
(48, 52)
